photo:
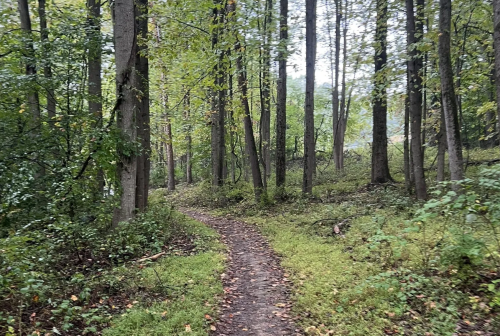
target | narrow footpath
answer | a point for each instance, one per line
(256, 289)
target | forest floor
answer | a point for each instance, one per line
(256, 288)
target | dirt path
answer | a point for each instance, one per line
(256, 289)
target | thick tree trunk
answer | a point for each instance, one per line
(33, 101)
(247, 121)
(414, 32)
(94, 72)
(380, 162)
(309, 150)
(496, 39)
(47, 70)
(143, 128)
(448, 93)
(125, 34)
(281, 97)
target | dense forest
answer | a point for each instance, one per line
(252, 167)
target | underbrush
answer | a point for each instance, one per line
(371, 260)
(72, 278)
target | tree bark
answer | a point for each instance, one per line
(414, 32)
(406, 143)
(281, 97)
(247, 121)
(496, 41)
(47, 70)
(309, 148)
(441, 138)
(143, 128)
(125, 34)
(33, 100)
(335, 92)
(341, 128)
(380, 162)
(448, 93)
(94, 72)
(189, 154)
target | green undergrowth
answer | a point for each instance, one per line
(75, 278)
(371, 260)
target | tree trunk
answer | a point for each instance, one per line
(94, 72)
(441, 138)
(218, 99)
(448, 93)
(380, 162)
(496, 40)
(125, 34)
(47, 70)
(143, 128)
(281, 97)
(414, 36)
(406, 143)
(247, 121)
(309, 150)
(335, 92)
(339, 136)
(189, 154)
(33, 101)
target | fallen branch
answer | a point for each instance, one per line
(152, 258)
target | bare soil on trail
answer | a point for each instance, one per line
(256, 288)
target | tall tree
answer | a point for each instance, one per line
(335, 65)
(128, 105)
(449, 99)
(281, 97)
(142, 116)
(33, 101)
(414, 30)
(47, 69)
(94, 70)
(189, 141)
(496, 42)
(218, 94)
(380, 162)
(265, 120)
(309, 143)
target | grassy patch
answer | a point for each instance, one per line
(397, 266)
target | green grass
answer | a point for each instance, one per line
(189, 287)
(387, 274)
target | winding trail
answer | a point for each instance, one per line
(256, 289)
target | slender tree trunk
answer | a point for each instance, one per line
(335, 92)
(189, 154)
(380, 161)
(94, 72)
(496, 39)
(247, 121)
(341, 123)
(309, 150)
(33, 101)
(406, 143)
(266, 92)
(414, 36)
(125, 34)
(281, 97)
(47, 70)
(441, 138)
(448, 93)
(167, 128)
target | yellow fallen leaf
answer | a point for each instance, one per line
(188, 328)
(213, 328)
(74, 298)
